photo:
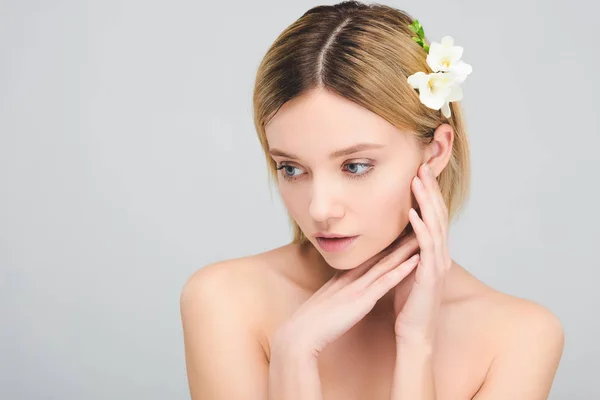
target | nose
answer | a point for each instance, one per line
(326, 201)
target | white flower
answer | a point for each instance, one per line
(439, 88)
(445, 57)
(455, 94)
(436, 90)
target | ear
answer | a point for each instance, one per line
(438, 152)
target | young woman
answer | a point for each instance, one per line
(358, 118)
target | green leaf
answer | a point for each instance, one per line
(415, 26)
(420, 38)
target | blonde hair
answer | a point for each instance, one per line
(364, 53)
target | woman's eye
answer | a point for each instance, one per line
(289, 170)
(355, 170)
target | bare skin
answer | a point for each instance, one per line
(260, 292)
(488, 345)
(360, 364)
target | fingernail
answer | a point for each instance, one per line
(413, 212)
(418, 181)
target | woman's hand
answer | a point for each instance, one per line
(344, 300)
(415, 322)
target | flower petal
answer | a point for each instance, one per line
(432, 100)
(441, 80)
(424, 91)
(446, 110)
(447, 41)
(435, 48)
(434, 60)
(456, 53)
(418, 80)
(456, 93)
(436, 56)
(461, 69)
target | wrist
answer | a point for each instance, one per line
(290, 347)
(414, 346)
(293, 371)
(415, 338)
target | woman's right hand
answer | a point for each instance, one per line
(345, 299)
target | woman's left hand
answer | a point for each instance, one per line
(416, 321)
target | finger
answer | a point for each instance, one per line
(408, 242)
(431, 220)
(339, 280)
(387, 281)
(430, 216)
(432, 185)
(435, 196)
(426, 243)
(389, 262)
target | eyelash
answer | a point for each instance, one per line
(352, 176)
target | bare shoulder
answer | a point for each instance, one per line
(515, 320)
(524, 338)
(232, 278)
(507, 314)
(243, 278)
(244, 285)
(223, 313)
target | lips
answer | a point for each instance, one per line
(331, 235)
(336, 244)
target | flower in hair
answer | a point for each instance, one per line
(439, 88)
(436, 90)
(445, 57)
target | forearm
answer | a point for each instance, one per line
(413, 373)
(293, 375)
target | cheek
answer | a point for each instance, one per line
(288, 198)
(392, 194)
(294, 201)
(389, 204)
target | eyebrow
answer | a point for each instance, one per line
(338, 153)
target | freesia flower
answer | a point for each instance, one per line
(445, 57)
(436, 90)
(439, 88)
(455, 94)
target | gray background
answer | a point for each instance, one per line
(128, 159)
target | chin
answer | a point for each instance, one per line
(357, 256)
(352, 258)
(365, 249)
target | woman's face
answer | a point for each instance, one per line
(364, 193)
